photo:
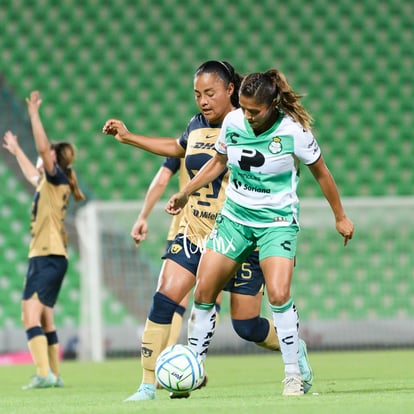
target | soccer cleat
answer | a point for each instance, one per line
(59, 383)
(305, 368)
(175, 395)
(144, 392)
(293, 385)
(41, 382)
(203, 383)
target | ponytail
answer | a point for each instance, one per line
(65, 156)
(289, 101)
(74, 186)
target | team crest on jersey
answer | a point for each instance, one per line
(275, 146)
(175, 249)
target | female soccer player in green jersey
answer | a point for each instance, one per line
(262, 144)
(216, 87)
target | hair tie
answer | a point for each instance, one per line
(229, 72)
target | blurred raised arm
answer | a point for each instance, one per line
(30, 172)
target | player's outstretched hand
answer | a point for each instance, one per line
(10, 142)
(116, 128)
(345, 227)
(34, 102)
(176, 203)
(139, 231)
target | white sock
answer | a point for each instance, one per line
(201, 327)
(286, 322)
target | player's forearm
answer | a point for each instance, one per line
(328, 186)
(41, 140)
(208, 173)
(167, 147)
(29, 171)
(331, 193)
(155, 190)
(153, 195)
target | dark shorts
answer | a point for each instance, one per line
(248, 280)
(44, 278)
(183, 252)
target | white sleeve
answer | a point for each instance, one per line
(221, 145)
(306, 147)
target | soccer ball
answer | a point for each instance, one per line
(178, 369)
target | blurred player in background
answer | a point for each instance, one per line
(139, 230)
(262, 144)
(55, 181)
(216, 87)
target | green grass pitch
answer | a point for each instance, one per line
(373, 382)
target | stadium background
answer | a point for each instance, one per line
(135, 60)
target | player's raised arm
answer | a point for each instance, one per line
(29, 171)
(42, 143)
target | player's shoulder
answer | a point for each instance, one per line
(293, 127)
(235, 116)
(58, 177)
(172, 163)
(234, 119)
(198, 121)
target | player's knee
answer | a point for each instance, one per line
(29, 320)
(162, 309)
(52, 338)
(253, 329)
(180, 310)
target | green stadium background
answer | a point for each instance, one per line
(135, 60)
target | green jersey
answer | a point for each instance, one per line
(264, 169)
